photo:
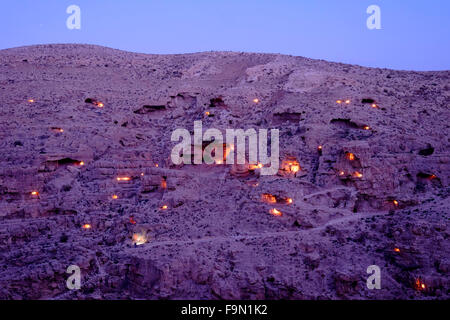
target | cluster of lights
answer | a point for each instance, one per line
(343, 101)
(420, 285)
(269, 198)
(355, 174)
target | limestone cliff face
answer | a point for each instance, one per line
(85, 140)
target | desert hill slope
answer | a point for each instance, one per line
(372, 186)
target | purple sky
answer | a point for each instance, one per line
(415, 34)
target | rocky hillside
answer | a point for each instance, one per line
(86, 177)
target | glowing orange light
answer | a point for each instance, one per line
(374, 105)
(207, 113)
(164, 207)
(81, 163)
(341, 173)
(34, 193)
(396, 249)
(163, 184)
(275, 212)
(86, 226)
(123, 178)
(350, 156)
(115, 196)
(256, 100)
(99, 104)
(139, 239)
(319, 148)
(142, 174)
(295, 168)
(338, 101)
(157, 165)
(420, 285)
(347, 101)
(433, 176)
(132, 221)
(30, 100)
(219, 161)
(289, 200)
(358, 174)
(395, 203)
(266, 197)
(366, 128)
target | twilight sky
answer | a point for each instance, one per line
(415, 34)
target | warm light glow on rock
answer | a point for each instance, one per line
(164, 207)
(374, 105)
(366, 128)
(256, 100)
(81, 163)
(268, 198)
(395, 203)
(275, 212)
(123, 178)
(115, 196)
(86, 226)
(34, 193)
(207, 113)
(350, 156)
(338, 101)
(396, 249)
(139, 239)
(30, 100)
(289, 200)
(358, 174)
(420, 285)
